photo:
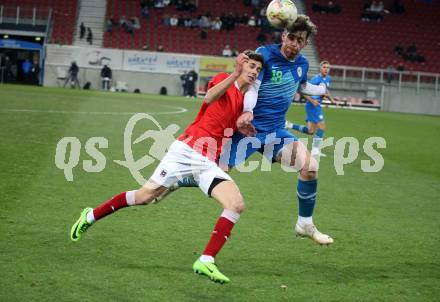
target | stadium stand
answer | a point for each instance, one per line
(344, 39)
(63, 15)
(179, 38)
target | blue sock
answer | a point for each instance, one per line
(300, 128)
(319, 133)
(306, 192)
(317, 139)
(187, 182)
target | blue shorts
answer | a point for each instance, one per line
(240, 147)
(314, 115)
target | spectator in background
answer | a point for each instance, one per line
(166, 20)
(159, 4)
(333, 8)
(89, 36)
(398, 50)
(145, 47)
(106, 77)
(252, 21)
(244, 19)
(135, 22)
(330, 7)
(374, 12)
(195, 22)
(145, 13)
(108, 25)
(397, 7)
(216, 24)
(227, 52)
(187, 22)
(122, 21)
(160, 48)
(205, 22)
(72, 75)
(82, 30)
(174, 20)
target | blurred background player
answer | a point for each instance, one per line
(315, 116)
(195, 153)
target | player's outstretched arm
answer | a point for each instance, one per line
(307, 88)
(215, 92)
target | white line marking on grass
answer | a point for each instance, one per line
(179, 110)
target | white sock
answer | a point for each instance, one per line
(90, 217)
(130, 197)
(317, 141)
(230, 215)
(207, 259)
(304, 220)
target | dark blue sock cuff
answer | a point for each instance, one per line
(319, 133)
(307, 186)
(306, 192)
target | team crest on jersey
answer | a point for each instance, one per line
(299, 71)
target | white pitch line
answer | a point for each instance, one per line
(179, 110)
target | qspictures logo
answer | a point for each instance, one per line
(68, 150)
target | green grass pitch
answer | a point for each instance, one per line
(385, 225)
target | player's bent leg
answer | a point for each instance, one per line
(317, 140)
(298, 157)
(228, 195)
(312, 128)
(130, 198)
(186, 182)
(293, 155)
(298, 127)
(306, 192)
(149, 192)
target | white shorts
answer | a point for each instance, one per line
(182, 161)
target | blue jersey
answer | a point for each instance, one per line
(280, 80)
(317, 80)
(314, 113)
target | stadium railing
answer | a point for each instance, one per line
(364, 76)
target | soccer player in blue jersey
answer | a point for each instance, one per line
(315, 117)
(265, 106)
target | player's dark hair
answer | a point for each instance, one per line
(303, 23)
(254, 56)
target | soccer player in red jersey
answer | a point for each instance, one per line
(196, 153)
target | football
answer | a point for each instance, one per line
(281, 13)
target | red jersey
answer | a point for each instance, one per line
(206, 134)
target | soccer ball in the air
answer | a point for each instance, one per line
(281, 13)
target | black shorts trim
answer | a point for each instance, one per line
(214, 183)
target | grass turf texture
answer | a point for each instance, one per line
(385, 224)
